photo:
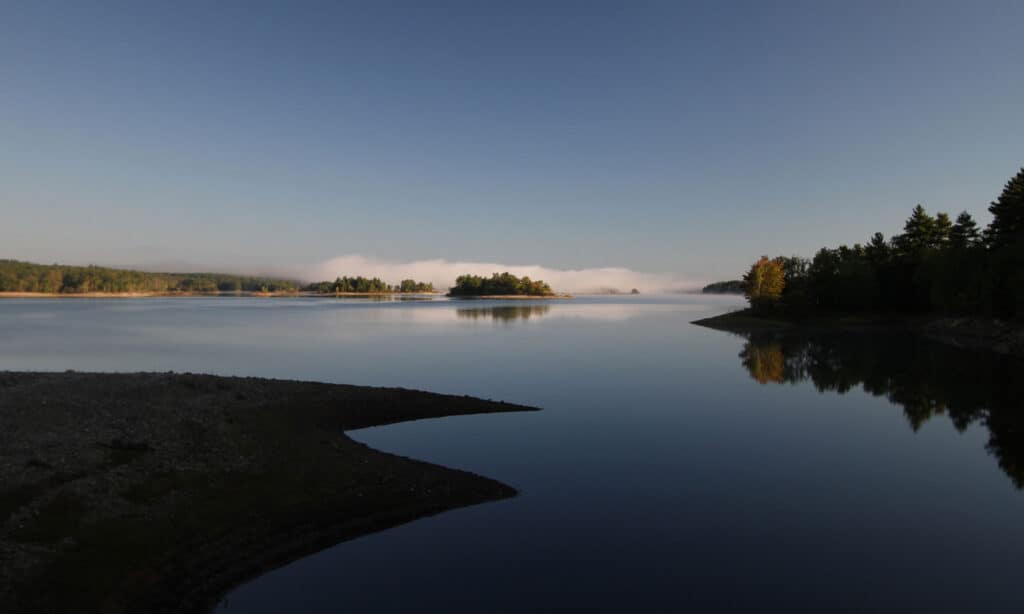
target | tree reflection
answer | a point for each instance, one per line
(925, 378)
(503, 313)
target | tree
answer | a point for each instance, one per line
(877, 250)
(918, 232)
(941, 232)
(764, 283)
(1007, 211)
(964, 233)
(498, 284)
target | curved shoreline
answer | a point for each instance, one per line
(161, 492)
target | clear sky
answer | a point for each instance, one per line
(659, 136)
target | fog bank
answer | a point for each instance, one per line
(442, 274)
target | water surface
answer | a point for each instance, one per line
(673, 467)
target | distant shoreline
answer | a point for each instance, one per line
(519, 297)
(303, 294)
(4, 295)
(240, 293)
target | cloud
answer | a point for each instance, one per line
(442, 274)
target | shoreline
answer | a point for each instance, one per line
(161, 492)
(514, 297)
(977, 334)
(240, 293)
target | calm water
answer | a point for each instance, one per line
(673, 467)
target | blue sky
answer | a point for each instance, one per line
(659, 136)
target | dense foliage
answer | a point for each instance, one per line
(764, 282)
(498, 284)
(16, 276)
(733, 286)
(365, 285)
(936, 265)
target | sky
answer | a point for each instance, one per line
(680, 140)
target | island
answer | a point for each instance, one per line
(359, 285)
(501, 286)
(27, 279)
(943, 278)
(159, 492)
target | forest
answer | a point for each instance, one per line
(499, 284)
(17, 276)
(733, 286)
(365, 285)
(936, 265)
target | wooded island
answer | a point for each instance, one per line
(364, 285)
(499, 284)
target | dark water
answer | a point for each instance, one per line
(673, 468)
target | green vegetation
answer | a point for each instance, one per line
(16, 276)
(936, 265)
(499, 284)
(364, 285)
(733, 286)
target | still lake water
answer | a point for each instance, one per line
(673, 467)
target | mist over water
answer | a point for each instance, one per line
(442, 274)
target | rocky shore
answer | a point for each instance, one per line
(159, 492)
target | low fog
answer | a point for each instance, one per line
(442, 274)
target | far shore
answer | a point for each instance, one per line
(304, 294)
(139, 294)
(514, 297)
(979, 334)
(243, 293)
(160, 492)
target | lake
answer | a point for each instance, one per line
(673, 467)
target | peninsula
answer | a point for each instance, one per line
(159, 492)
(944, 278)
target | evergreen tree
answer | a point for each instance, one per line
(877, 249)
(942, 230)
(918, 232)
(964, 233)
(1007, 225)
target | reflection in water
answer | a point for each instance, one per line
(504, 313)
(924, 377)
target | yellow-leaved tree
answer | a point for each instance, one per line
(763, 283)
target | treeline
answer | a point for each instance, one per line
(365, 285)
(17, 276)
(936, 265)
(734, 286)
(498, 284)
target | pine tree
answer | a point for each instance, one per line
(918, 232)
(942, 230)
(964, 233)
(1007, 225)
